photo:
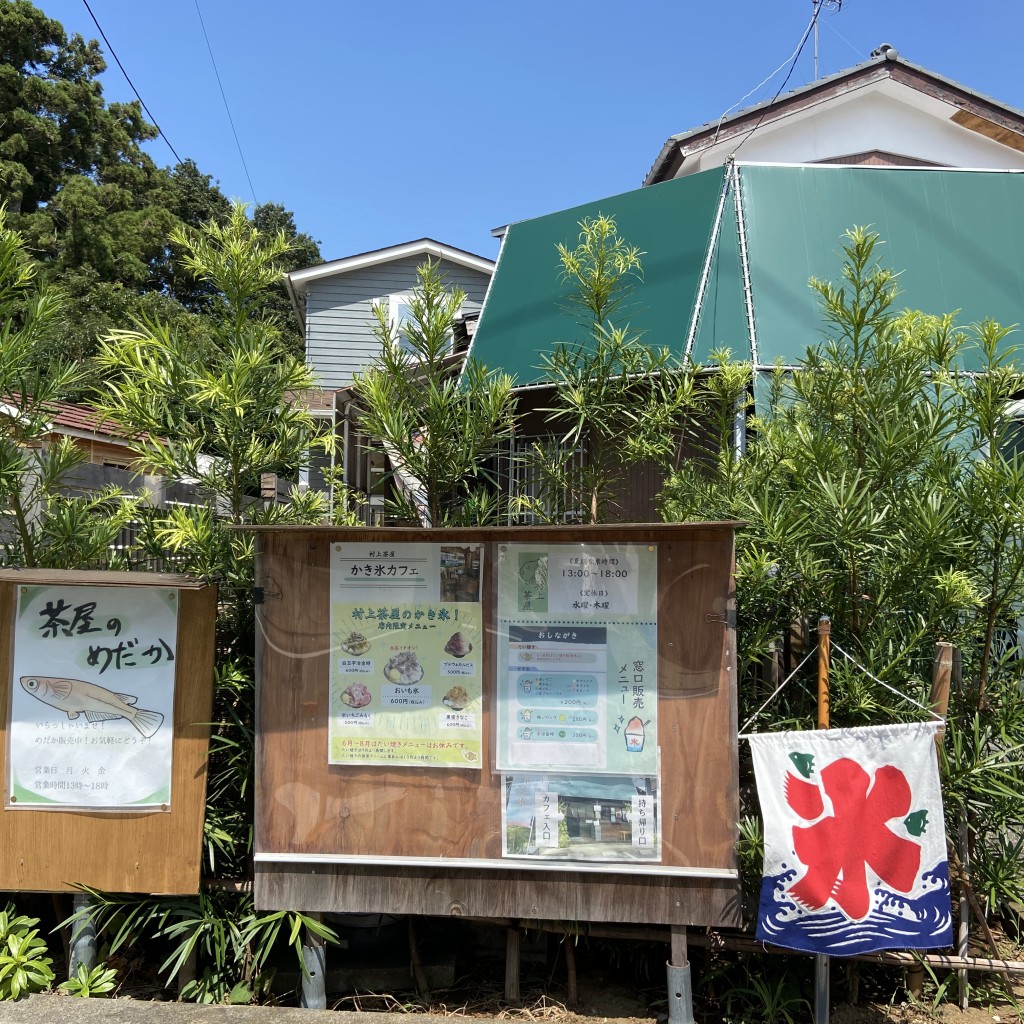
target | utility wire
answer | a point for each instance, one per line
(113, 53)
(818, 4)
(231, 121)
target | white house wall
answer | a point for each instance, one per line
(339, 313)
(864, 121)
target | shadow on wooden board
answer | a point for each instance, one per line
(376, 838)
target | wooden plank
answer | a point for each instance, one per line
(305, 806)
(1005, 136)
(100, 578)
(120, 851)
(485, 892)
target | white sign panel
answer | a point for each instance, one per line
(92, 698)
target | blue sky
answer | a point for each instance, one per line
(380, 123)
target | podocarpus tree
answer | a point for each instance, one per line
(219, 410)
(44, 525)
(878, 488)
(615, 400)
(440, 431)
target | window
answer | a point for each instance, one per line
(400, 312)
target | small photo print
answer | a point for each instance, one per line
(460, 573)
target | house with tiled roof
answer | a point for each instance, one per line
(110, 459)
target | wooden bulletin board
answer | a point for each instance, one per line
(376, 838)
(155, 851)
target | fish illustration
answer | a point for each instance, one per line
(917, 822)
(77, 697)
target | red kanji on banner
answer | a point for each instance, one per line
(838, 849)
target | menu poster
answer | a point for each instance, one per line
(406, 655)
(577, 658)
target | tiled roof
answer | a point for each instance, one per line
(83, 417)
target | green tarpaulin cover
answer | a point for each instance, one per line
(957, 237)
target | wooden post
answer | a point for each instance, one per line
(824, 655)
(418, 974)
(680, 985)
(821, 965)
(942, 673)
(513, 938)
(964, 904)
(572, 994)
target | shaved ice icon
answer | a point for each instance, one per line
(634, 735)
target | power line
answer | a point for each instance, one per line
(818, 4)
(231, 121)
(117, 60)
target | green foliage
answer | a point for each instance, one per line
(222, 405)
(879, 487)
(91, 203)
(755, 990)
(88, 983)
(439, 431)
(601, 269)
(615, 400)
(220, 412)
(24, 965)
(233, 943)
(44, 525)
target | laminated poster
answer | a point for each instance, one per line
(92, 698)
(577, 658)
(581, 817)
(406, 655)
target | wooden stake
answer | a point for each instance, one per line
(824, 654)
(821, 965)
(572, 997)
(418, 974)
(513, 938)
(942, 673)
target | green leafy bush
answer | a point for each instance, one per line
(24, 965)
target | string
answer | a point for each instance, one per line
(778, 690)
(892, 689)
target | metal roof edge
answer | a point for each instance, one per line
(878, 167)
(483, 307)
(299, 279)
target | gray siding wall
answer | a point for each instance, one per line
(339, 315)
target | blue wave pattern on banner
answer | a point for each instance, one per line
(895, 921)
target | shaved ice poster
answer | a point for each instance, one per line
(92, 698)
(406, 654)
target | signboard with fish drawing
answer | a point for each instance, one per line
(92, 698)
(106, 679)
(406, 655)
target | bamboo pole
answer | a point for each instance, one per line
(821, 964)
(942, 673)
(824, 656)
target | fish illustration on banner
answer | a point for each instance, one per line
(854, 841)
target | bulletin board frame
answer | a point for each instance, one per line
(382, 839)
(141, 851)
